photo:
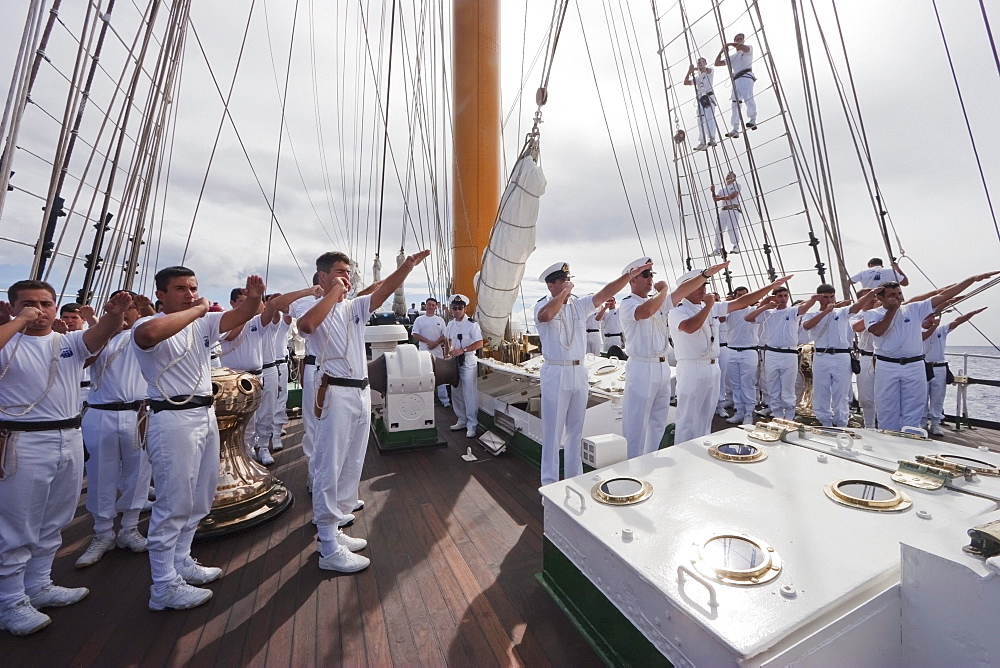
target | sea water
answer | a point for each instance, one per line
(981, 362)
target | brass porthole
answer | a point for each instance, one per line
(977, 465)
(736, 559)
(737, 452)
(605, 370)
(246, 385)
(868, 495)
(621, 491)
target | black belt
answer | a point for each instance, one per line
(866, 353)
(724, 345)
(591, 331)
(282, 361)
(269, 365)
(780, 350)
(618, 334)
(255, 372)
(900, 360)
(157, 405)
(310, 359)
(120, 406)
(833, 351)
(41, 425)
(84, 383)
(739, 350)
(346, 382)
(936, 364)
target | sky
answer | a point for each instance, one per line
(600, 190)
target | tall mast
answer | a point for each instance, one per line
(476, 183)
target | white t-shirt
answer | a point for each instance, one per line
(339, 341)
(741, 60)
(702, 344)
(742, 334)
(593, 324)
(904, 338)
(564, 337)
(648, 337)
(115, 376)
(935, 344)
(470, 331)
(431, 327)
(729, 189)
(179, 366)
(875, 276)
(246, 351)
(834, 330)
(27, 363)
(703, 82)
(279, 341)
(612, 322)
(866, 341)
(780, 328)
(299, 308)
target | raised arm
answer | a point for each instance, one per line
(26, 316)
(953, 290)
(97, 336)
(903, 280)
(752, 297)
(312, 318)
(555, 304)
(395, 279)
(151, 332)
(282, 302)
(248, 309)
(692, 284)
(965, 318)
(765, 305)
(694, 323)
(617, 285)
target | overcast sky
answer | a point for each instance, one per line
(919, 144)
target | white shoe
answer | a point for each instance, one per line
(699, 147)
(748, 419)
(98, 546)
(344, 561)
(470, 433)
(131, 539)
(712, 143)
(733, 135)
(277, 445)
(736, 419)
(717, 251)
(348, 518)
(721, 412)
(360, 505)
(458, 426)
(935, 430)
(194, 573)
(264, 456)
(448, 405)
(350, 542)
(54, 596)
(22, 619)
(178, 596)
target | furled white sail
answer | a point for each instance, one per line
(512, 241)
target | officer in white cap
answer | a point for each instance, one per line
(696, 345)
(561, 320)
(464, 338)
(646, 402)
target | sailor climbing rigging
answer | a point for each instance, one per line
(741, 70)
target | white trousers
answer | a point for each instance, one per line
(743, 371)
(280, 401)
(645, 405)
(900, 394)
(780, 371)
(725, 393)
(936, 388)
(183, 448)
(729, 225)
(697, 395)
(117, 464)
(743, 92)
(706, 122)
(309, 375)
(339, 455)
(37, 501)
(594, 341)
(832, 388)
(866, 390)
(465, 397)
(564, 402)
(263, 417)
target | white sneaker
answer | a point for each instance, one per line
(348, 519)
(935, 430)
(284, 433)
(178, 596)
(458, 426)
(277, 445)
(470, 433)
(360, 505)
(344, 561)
(131, 539)
(721, 412)
(699, 147)
(22, 619)
(736, 419)
(264, 456)
(98, 546)
(194, 573)
(448, 405)
(350, 542)
(54, 596)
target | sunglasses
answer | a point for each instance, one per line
(647, 274)
(457, 308)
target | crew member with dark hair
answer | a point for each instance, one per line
(741, 70)
(463, 338)
(875, 275)
(935, 341)
(428, 330)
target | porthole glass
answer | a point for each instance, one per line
(867, 494)
(622, 491)
(736, 559)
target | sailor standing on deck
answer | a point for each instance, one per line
(342, 402)
(700, 77)
(428, 330)
(612, 324)
(696, 344)
(744, 362)
(41, 448)
(741, 70)
(182, 434)
(935, 341)
(464, 338)
(900, 382)
(561, 321)
(866, 357)
(279, 353)
(594, 338)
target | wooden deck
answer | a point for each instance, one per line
(454, 547)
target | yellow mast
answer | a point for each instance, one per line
(476, 183)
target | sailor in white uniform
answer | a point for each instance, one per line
(875, 275)
(741, 71)
(725, 392)
(428, 330)
(593, 326)
(695, 330)
(41, 449)
(728, 198)
(866, 358)
(832, 336)
(900, 380)
(611, 323)
(279, 353)
(118, 462)
(464, 338)
(700, 77)
(561, 321)
(935, 341)
(744, 361)
(182, 434)
(342, 402)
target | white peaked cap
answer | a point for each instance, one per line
(458, 298)
(635, 264)
(688, 276)
(558, 267)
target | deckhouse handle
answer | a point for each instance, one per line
(713, 600)
(570, 492)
